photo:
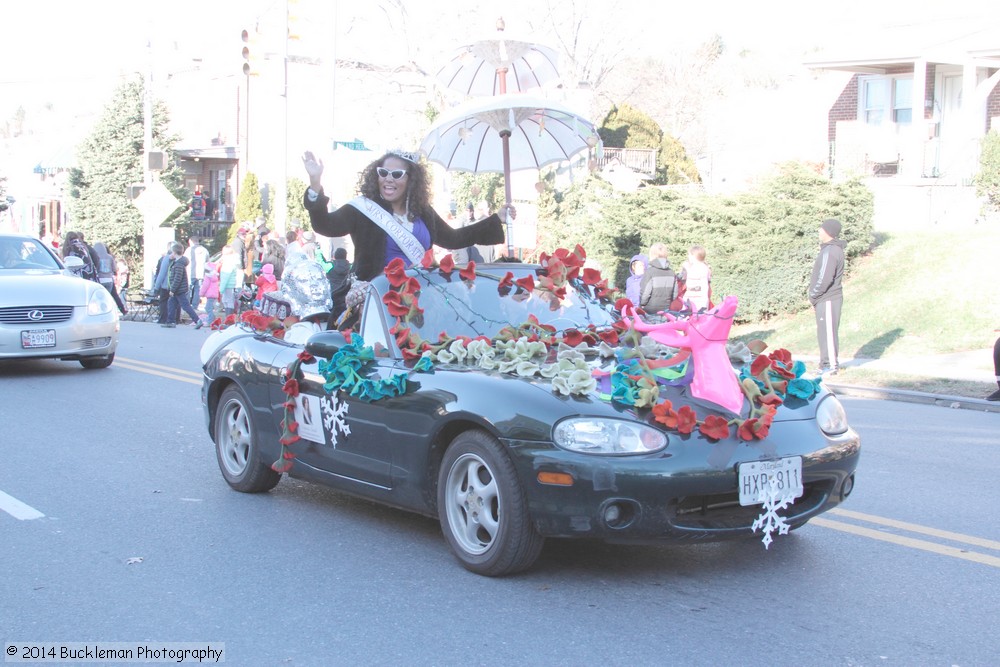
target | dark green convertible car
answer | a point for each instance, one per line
(511, 402)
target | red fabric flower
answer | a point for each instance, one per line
(402, 337)
(714, 427)
(447, 264)
(770, 398)
(411, 286)
(306, 357)
(427, 261)
(394, 303)
(395, 271)
(572, 337)
(686, 419)
(759, 365)
(469, 272)
(526, 283)
(506, 281)
(782, 355)
(665, 414)
(591, 276)
(291, 387)
(624, 306)
(746, 429)
(609, 336)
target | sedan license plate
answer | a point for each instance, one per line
(755, 476)
(38, 338)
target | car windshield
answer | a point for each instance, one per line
(478, 308)
(20, 253)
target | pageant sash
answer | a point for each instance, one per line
(405, 239)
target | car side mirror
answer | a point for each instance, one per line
(73, 263)
(325, 344)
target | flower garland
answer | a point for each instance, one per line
(637, 379)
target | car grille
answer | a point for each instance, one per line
(725, 511)
(30, 314)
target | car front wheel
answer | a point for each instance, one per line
(97, 362)
(240, 458)
(482, 508)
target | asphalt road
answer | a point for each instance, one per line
(140, 540)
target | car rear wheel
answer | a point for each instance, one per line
(97, 362)
(236, 448)
(482, 508)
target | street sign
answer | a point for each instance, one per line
(157, 203)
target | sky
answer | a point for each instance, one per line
(66, 56)
(60, 49)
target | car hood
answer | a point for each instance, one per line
(43, 287)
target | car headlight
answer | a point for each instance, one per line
(100, 302)
(607, 436)
(831, 416)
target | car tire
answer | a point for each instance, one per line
(236, 447)
(91, 363)
(482, 508)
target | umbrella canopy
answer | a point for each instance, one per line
(495, 66)
(505, 133)
(472, 137)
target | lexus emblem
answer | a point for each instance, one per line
(35, 315)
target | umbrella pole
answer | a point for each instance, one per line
(505, 138)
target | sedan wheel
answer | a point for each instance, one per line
(97, 362)
(482, 508)
(240, 458)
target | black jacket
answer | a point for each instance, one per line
(369, 239)
(178, 276)
(828, 269)
(658, 288)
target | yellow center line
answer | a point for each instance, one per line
(916, 528)
(911, 542)
(153, 371)
(169, 369)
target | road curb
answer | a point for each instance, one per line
(942, 400)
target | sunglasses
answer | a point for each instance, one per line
(395, 173)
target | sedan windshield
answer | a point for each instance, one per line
(481, 308)
(19, 253)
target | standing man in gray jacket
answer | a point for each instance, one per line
(826, 294)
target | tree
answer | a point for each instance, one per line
(627, 127)
(297, 214)
(476, 188)
(109, 160)
(248, 204)
(988, 179)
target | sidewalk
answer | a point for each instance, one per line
(973, 365)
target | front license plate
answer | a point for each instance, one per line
(754, 477)
(38, 338)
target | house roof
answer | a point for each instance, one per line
(951, 42)
(216, 152)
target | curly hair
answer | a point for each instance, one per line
(418, 187)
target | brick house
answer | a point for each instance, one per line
(912, 116)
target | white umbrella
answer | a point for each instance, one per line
(505, 133)
(499, 65)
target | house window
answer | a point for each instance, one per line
(902, 101)
(886, 99)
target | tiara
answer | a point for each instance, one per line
(406, 155)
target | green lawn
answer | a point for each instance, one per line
(922, 292)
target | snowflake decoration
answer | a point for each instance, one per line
(335, 417)
(769, 520)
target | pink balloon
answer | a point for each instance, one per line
(705, 335)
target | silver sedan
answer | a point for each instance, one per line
(47, 311)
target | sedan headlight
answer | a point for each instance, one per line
(830, 416)
(100, 302)
(607, 436)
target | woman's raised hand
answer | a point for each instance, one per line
(314, 167)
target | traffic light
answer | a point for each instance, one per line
(248, 68)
